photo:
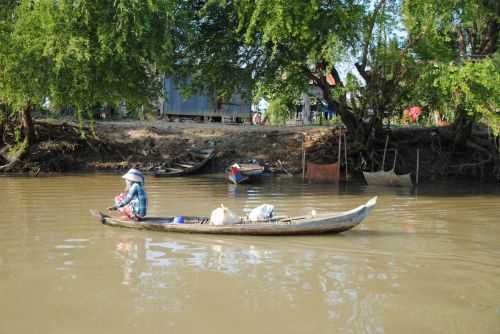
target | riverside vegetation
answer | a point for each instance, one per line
(384, 57)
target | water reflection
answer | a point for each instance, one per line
(65, 256)
(290, 272)
(128, 252)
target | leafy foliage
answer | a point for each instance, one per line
(383, 55)
(449, 29)
(278, 112)
(456, 47)
(205, 50)
(472, 87)
(83, 53)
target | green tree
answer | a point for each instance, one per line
(210, 54)
(278, 111)
(83, 53)
(302, 42)
(456, 44)
(23, 65)
(282, 48)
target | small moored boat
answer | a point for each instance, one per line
(244, 173)
(280, 225)
(198, 159)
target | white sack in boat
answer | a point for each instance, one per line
(262, 212)
(223, 216)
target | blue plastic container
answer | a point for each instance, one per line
(179, 220)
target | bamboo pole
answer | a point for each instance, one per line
(339, 155)
(345, 155)
(418, 165)
(303, 158)
(385, 151)
(395, 159)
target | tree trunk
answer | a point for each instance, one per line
(462, 128)
(340, 107)
(2, 132)
(27, 125)
(29, 138)
(358, 131)
(306, 110)
(3, 117)
(352, 124)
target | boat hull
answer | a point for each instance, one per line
(246, 173)
(245, 178)
(204, 155)
(319, 224)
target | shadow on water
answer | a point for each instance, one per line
(295, 186)
(374, 234)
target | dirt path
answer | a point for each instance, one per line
(163, 141)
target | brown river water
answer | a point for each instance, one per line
(426, 260)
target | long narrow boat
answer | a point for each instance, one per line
(199, 158)
(310, 224)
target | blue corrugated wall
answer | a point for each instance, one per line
(200, 105)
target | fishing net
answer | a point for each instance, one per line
(322, 173)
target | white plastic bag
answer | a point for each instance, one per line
(262, 212)
(223, 216)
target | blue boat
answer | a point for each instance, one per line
(244, 173)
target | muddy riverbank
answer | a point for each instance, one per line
(116, 146)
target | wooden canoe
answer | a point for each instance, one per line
(199, 159)
(317, 224)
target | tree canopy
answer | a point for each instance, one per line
(363, 57)
(384, 56)
(79, 53)
(456, 46)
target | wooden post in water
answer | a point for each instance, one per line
(303, 158)
(385, 151)
(339, 156)
(345, 155)
(418, 165)
(395, 159)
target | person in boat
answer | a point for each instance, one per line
(133, 203)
